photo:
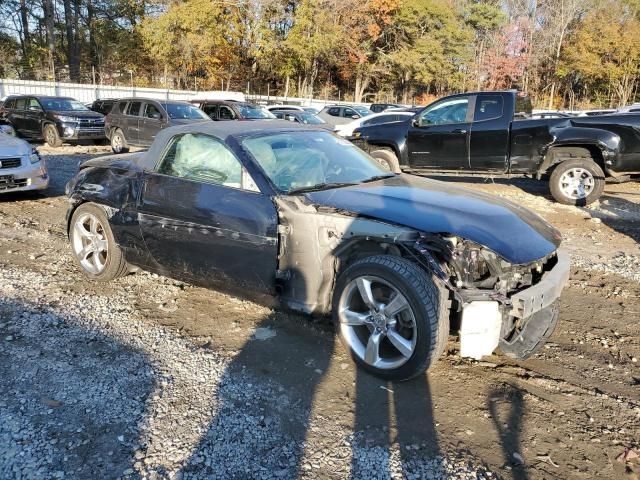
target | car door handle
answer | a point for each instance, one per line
(460, 130)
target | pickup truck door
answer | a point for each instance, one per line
(489, 143)
(438, 137)
(204, 220)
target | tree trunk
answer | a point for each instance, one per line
(93, 47)
(71, 14)
(25, 39)
(286, 87)
(362, 83)
(47, 7)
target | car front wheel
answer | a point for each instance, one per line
(93, 245)
(51, 136)
(391, 316)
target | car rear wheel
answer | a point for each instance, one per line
(579, 182)
(51, 136)
(119, 142)
(387, 159)
(391, 316)
(93, 245)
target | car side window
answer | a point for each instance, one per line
(449, 111)
(334, 112)
(202, 158)
(134, 109)
(122, 107)
(226, 113)
(151, 111)
(21, 104)
(211, 109)
(11, 103)
(349, 113)
(488, 108)
(34, 105)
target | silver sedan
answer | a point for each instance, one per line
(21, 167)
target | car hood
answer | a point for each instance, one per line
(515, 233)
(77, 114)
(11, 146)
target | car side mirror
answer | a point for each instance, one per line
(415, 122)
(156, 116)
(355, 117)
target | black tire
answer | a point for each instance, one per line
(387, 159)
(427, 299)
(115, 264)
(119, 142)
(51, 136)
(538, 328)
(592, 169)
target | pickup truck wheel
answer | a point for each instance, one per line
(391, 316)
(387, 159)
(119, 142)
(578, 181)
(94, 247)
(51, 136)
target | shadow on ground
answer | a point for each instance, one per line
(68, 396)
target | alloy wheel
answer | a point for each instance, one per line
(377, 322)
(90, 244)
(577, 183)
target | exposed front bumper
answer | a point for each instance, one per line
(73, 131)
(541, 295)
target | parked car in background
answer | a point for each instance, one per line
(103, 105)
(341, 114)
(7, 129)
(388, 116)
(291, 108)
(232, 110)
(536, 115)
(54, 119)
(635, 108)
(596, 112)
(381, 107)
(301, 117)
(313, 110)
(481, 132)
(135, 122)
(21, 167)
(291, 211)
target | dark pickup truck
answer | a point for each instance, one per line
(490, 132)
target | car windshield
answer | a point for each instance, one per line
(253, 112)
(183, 111)
(62, 104)
(310, 119)
(306, 160)
(364, 111)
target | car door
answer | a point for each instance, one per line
(489, 142)
(153, 119)
(131, 122)
(438, 137)
(33, 117)
(204, 220)
(18, 116)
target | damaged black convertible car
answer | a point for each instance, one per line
(308, 218)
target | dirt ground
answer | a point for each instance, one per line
(568, 412)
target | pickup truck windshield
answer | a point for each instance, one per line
(183, 111)
(63, 105)
(308, 159)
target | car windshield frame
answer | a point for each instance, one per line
(197, 113)
(246, 111)
(355, 165)
(70, 105)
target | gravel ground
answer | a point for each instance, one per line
(148, 377)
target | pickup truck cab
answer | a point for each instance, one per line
(492, 132)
